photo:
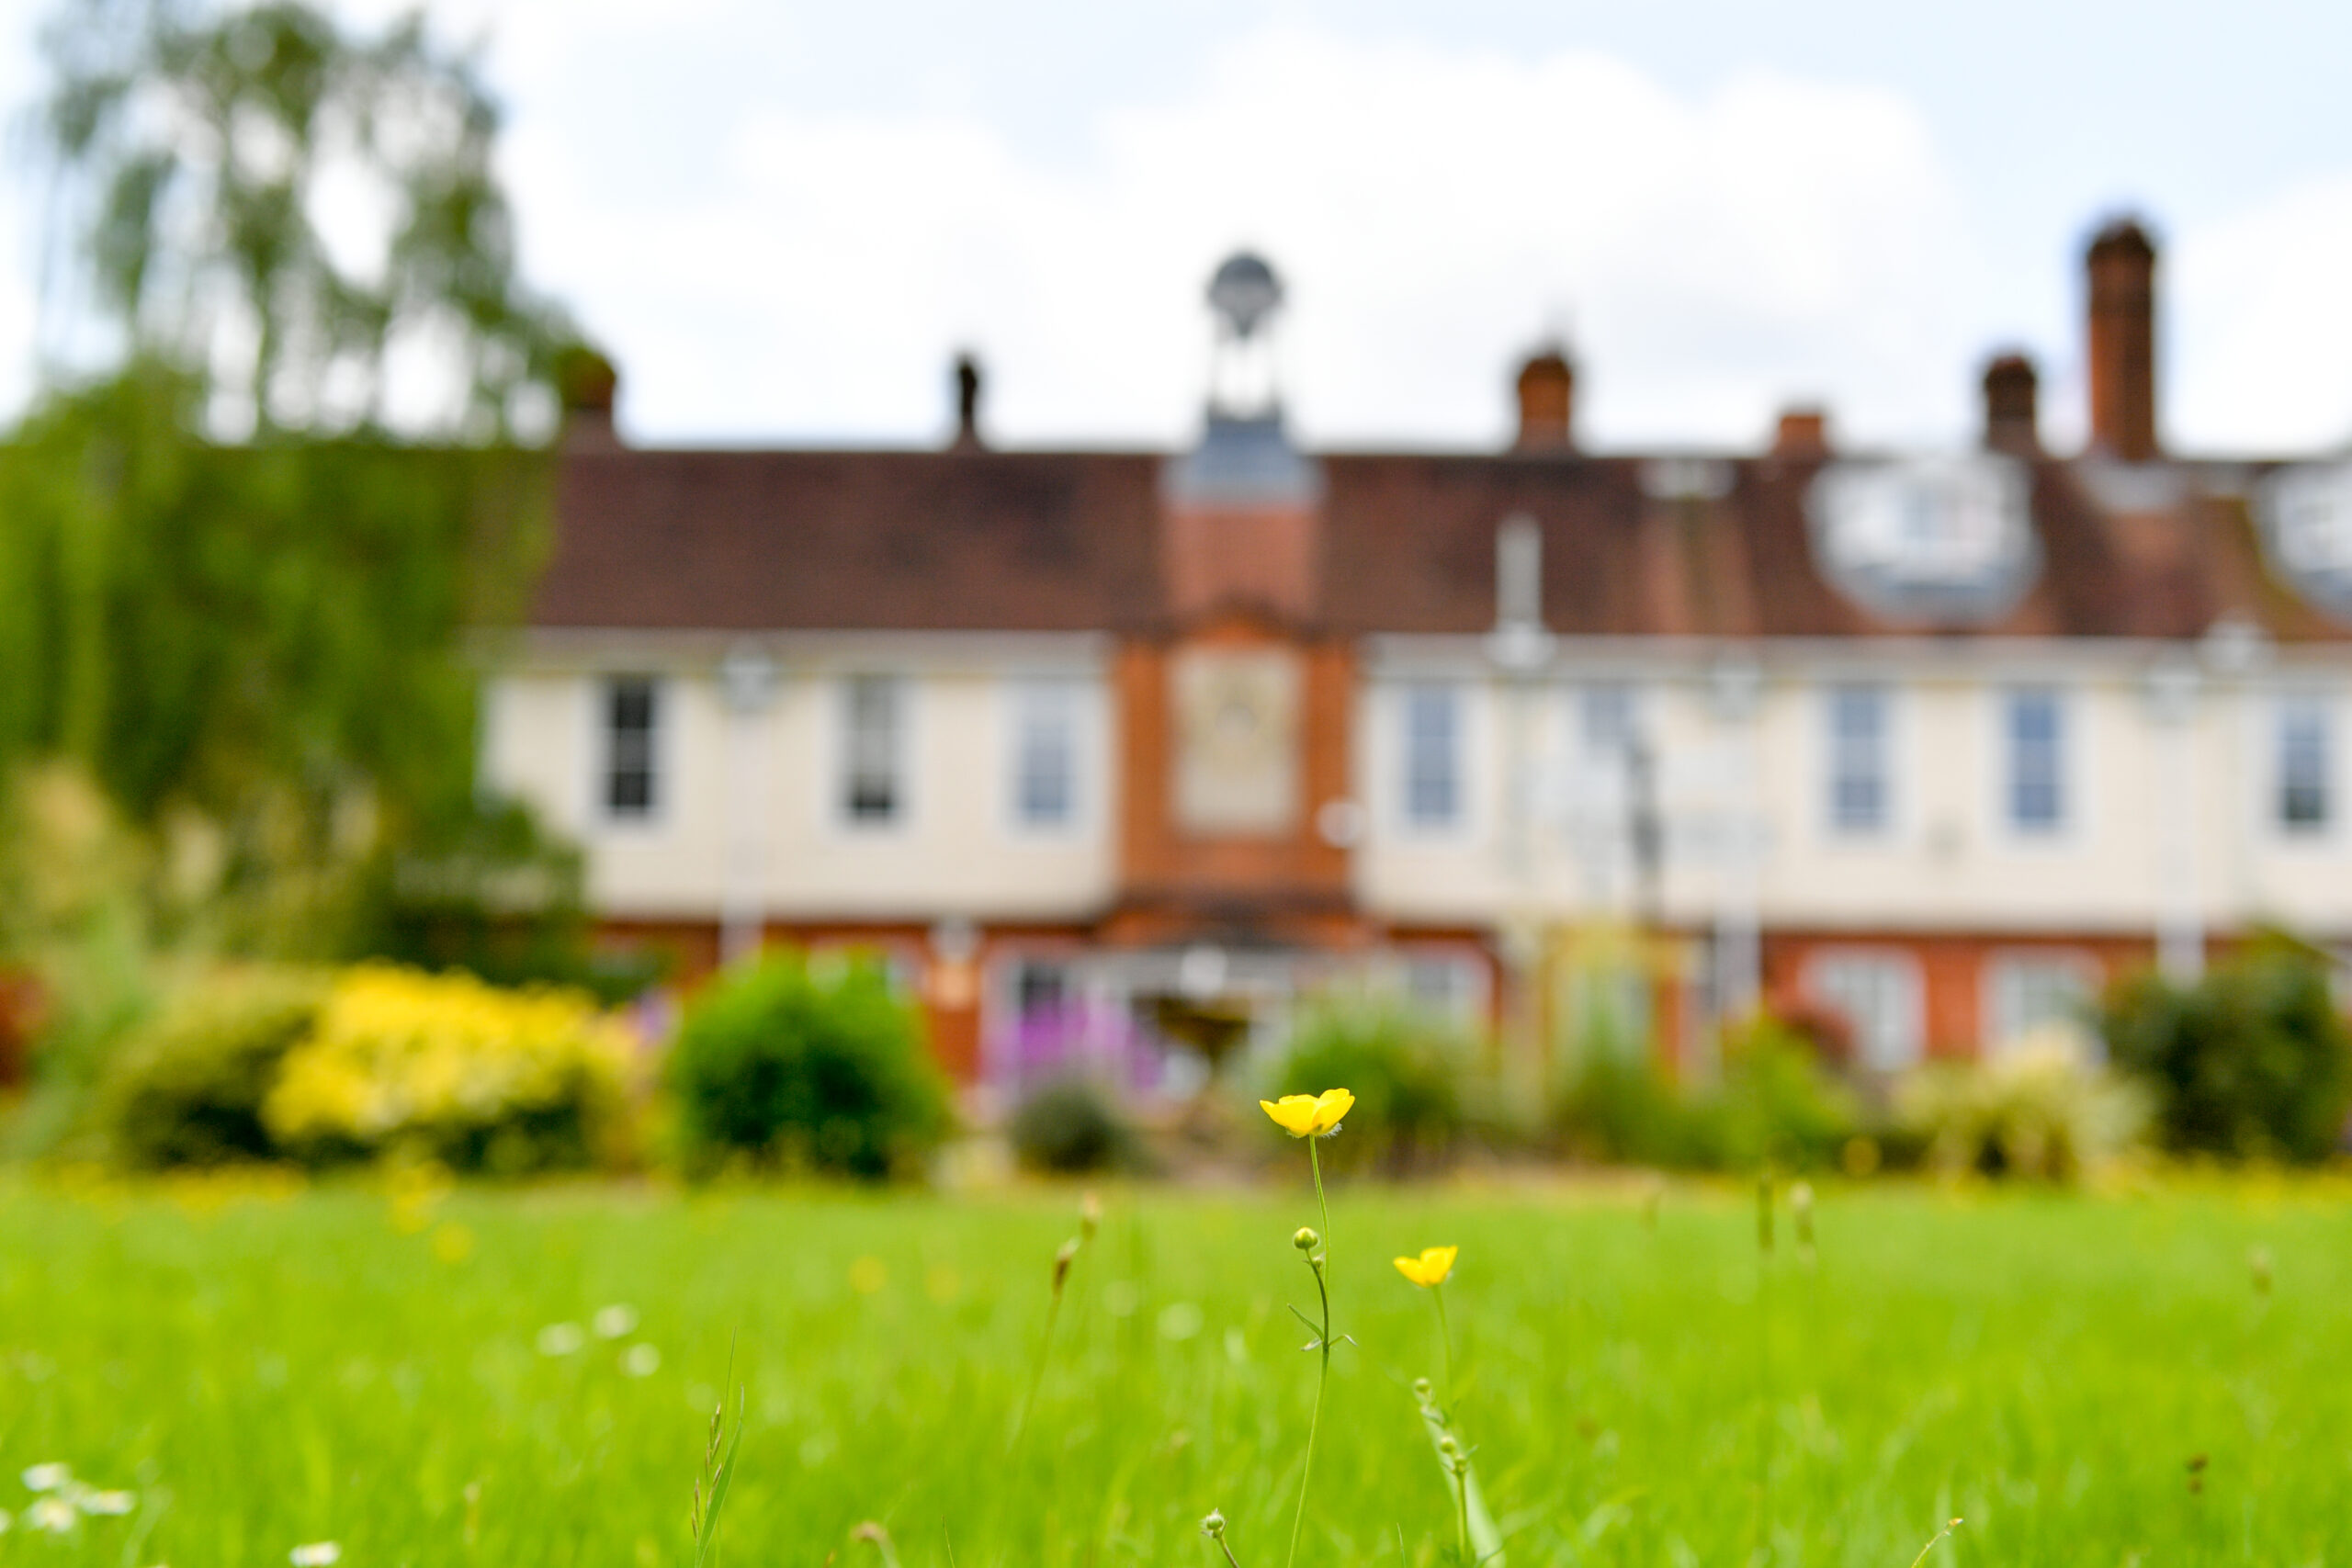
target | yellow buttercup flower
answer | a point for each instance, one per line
(1309, 1115)
(1431, 1267)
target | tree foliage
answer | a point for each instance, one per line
(2252, 1061)
(261, 635)
(306, 216)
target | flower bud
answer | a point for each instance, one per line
(1214, 1526)
(1306, 1240)
(1422, 1390)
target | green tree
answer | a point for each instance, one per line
(307, 215)
(276, 495)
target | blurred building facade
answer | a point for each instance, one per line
(1112, 748)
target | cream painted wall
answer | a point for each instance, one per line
(755, 798)
(1950, 860)
(750, 804)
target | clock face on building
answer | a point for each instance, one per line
(1237, 766)
(2306, 517)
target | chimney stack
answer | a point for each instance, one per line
(588, 385)
(1548, 385)
(968, 406)
(2012, 418)
(2120, 268)
(1804, 433)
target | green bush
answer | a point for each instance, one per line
(2252, 1061)
(404, 1063)
(1777, 1101)
(496, 893)
(1774, 1100)
(1405, 1070)
(2037, 1111)
(800, 1065)
(1071, 1126)
(1621, 1111)
(187, 1088)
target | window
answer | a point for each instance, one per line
(1447, 986)
(1433, 718)
(1878, 995)
(1940, 539)
(632, 713)
(1608, 721)
(1041, 988)
(2036, 730)
(2030, 994)
(872, 785)
(1044, 754)
(2306, 766)
(1859, 789)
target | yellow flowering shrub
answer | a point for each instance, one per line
(481, 1079)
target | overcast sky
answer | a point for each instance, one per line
(783, 218)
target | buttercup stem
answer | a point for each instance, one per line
(1461, 1507)
(1444, 1338)
(1314, 1164)
(1323, 1342)
(1037, 1379)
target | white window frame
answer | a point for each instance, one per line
(1911, 983)
(2282, 706)
(838, 775)
(1890, 748)
(1457, 696)
(2064, 750)
(1080, 701)
(1586, 699)
(1994, 1036)
(1469, 998)
(662, 761)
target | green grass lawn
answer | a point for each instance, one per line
(267, 1372)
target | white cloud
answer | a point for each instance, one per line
(768, 269)
(1432, 211)
(2262, 317)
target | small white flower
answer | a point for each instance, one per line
(115, 1503)
(317, 1554)
(48, 1477)
(640, 1361)
(5, 1521)
(614, 1322)
(558, 1339)
(55, 1514)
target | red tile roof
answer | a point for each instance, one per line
(1042, 541)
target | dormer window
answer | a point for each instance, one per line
(1946, 540)
(2306, 517)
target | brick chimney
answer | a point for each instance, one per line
(2012, 421)
(588, 385)
(1804, 433)
(1548, 385)
(968, 406)
(2120, 268)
